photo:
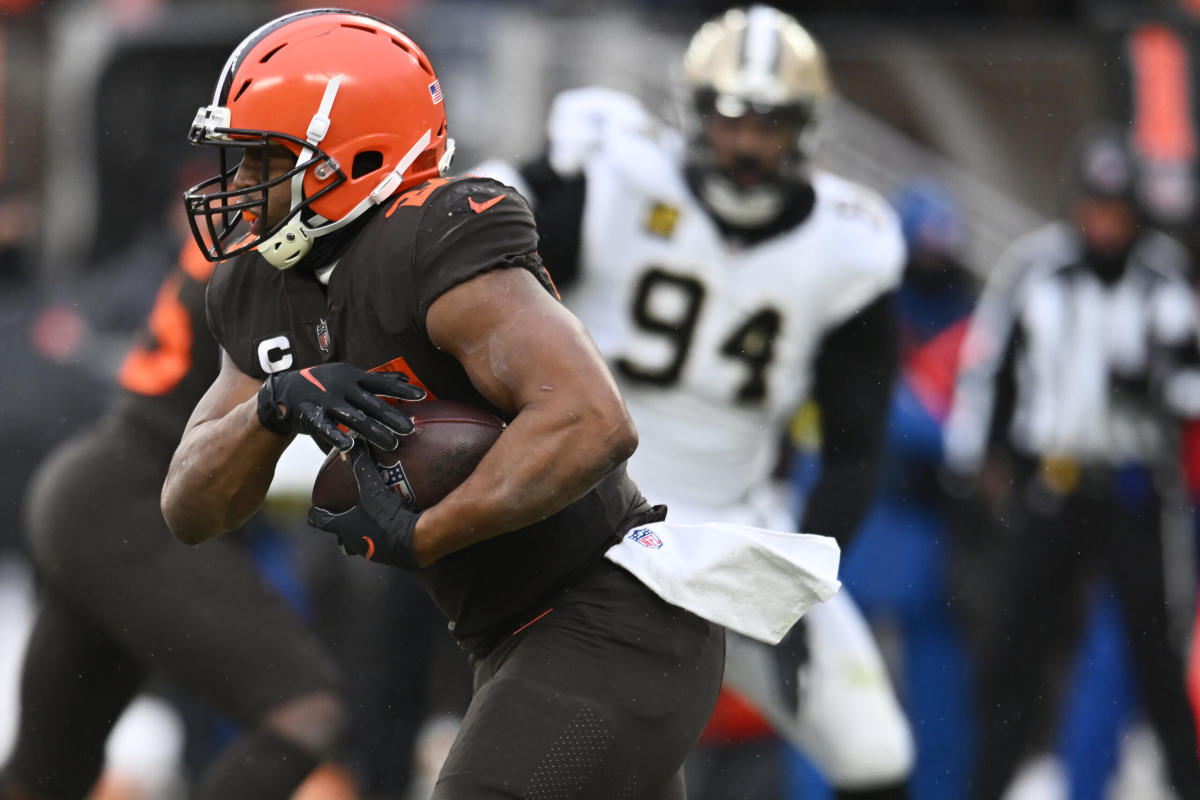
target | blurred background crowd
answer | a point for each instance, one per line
(965, 114)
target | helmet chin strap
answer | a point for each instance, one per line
(447, 157)
(294, 240)
(741, 208)
(288, 245)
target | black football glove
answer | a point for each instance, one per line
(380, 528)
(316, 399)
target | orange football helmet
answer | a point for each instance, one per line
(352, 98)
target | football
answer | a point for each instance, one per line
(447, 442)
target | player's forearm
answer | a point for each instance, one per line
(548, 457)
(220, 474)
(840, 499)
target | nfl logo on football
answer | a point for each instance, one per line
(646, 538)
(393, 475)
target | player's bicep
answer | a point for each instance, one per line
(518, 344)
(231, 388)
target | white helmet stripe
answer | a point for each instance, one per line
(319, 125)
(762, 40)
(221, 94)
(317, 128)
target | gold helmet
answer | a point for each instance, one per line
(756, 60)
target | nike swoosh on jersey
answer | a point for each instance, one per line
(479, 208)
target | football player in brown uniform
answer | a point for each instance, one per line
(119, 601)
(368, 273)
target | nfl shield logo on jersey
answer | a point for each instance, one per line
(646, 538)
(323, 336)
(393, 475)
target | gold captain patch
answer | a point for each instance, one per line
(661, 219)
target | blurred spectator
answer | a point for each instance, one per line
(1079, 364)
(938, 291)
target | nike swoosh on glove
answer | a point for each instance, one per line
(316, 400)
(380, 528)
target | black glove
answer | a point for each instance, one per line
(315, 399)
(380, 528)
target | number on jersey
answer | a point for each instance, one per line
(668, 306)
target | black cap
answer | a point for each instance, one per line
(1103, 163)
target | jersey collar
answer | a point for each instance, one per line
(322, 274)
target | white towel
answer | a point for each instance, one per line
(754, 581)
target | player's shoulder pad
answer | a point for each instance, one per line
(580, 120)
(471, 197)
(465, 212)
(854, 204)
(866, 219)
(506, 173)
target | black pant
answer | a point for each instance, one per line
(120, 599)
(1063, 543)
(599, 699)
(380, 626)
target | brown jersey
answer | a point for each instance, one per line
(389, 269)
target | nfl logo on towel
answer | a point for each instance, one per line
(646, 538)
(435, 91)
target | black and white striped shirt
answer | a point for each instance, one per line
(1099, 372)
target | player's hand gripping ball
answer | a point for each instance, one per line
(371, 499)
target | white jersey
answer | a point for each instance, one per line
(713, 345)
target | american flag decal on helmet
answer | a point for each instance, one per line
(646, 538)
(435, 92)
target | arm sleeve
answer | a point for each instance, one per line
(558, 210)
(854, 374)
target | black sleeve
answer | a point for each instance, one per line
(559, 215)
(1005, 395)
(854, 374)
